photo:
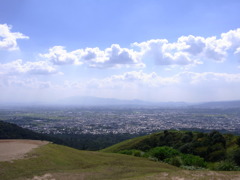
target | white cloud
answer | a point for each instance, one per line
(185, 86)
(208, 78)
(154, 80)
(187, 51)
(233, 38)
(129, 80)
(165, 53)
(194, 45)
(114, 56)
(18, 82)
(8, 39)
(190, 49)
(18, 67)
(237, 51)
(59, 56)
(216, 49)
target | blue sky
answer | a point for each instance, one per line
(155, 50)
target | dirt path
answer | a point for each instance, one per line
(17, 149)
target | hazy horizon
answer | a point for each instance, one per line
(155, 51)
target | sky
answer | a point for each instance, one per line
(152, 50)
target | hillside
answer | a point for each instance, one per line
(78, 141)
(209, 150)
(219, 104)
(59, 162)
(12, 131)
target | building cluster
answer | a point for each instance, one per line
(132, 121)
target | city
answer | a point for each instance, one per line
(121, 120)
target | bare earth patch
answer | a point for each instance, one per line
(44, 177)
(16, 149)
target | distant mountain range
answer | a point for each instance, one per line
(97, 101)
(219, 104)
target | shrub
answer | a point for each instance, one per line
(238, 141)
(201, 151)
(216, 155)
(225, 166)
(236, 157)
(133, 152)
(127, 152)
(137, 153)
(175, 161)
(186, 138)
(191, 160)
(163, 152)
(186, 148)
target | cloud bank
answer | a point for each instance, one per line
(18, 67)
(33, 77)
(114, 56)
(187, 50)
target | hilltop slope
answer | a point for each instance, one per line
(211, 150)
(59, 162)
(175, 139)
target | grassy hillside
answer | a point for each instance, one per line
(12, 131)
(57, 159)
(60, 162)
(219, 151)
(175, 139)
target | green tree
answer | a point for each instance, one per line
(236, 157)
(163, 152)
(238, 141)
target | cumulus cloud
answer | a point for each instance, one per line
(114, 56)
(232, 37)
(191, 49)
(187, 50)
(165, 53)
(59, 56)
(18, 67)
(8, 39)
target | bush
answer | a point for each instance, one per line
(225, 166)
(186, 138)
(216, 155)
(127, 152)
(238, 141)
(191, 160)
(133, 152)
(201, 151)
(186, 148)
(175, 161)
(236, 157)
(163, 152)
(137, 153)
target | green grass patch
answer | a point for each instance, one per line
(53, 158)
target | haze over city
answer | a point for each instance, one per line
(148, 50)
